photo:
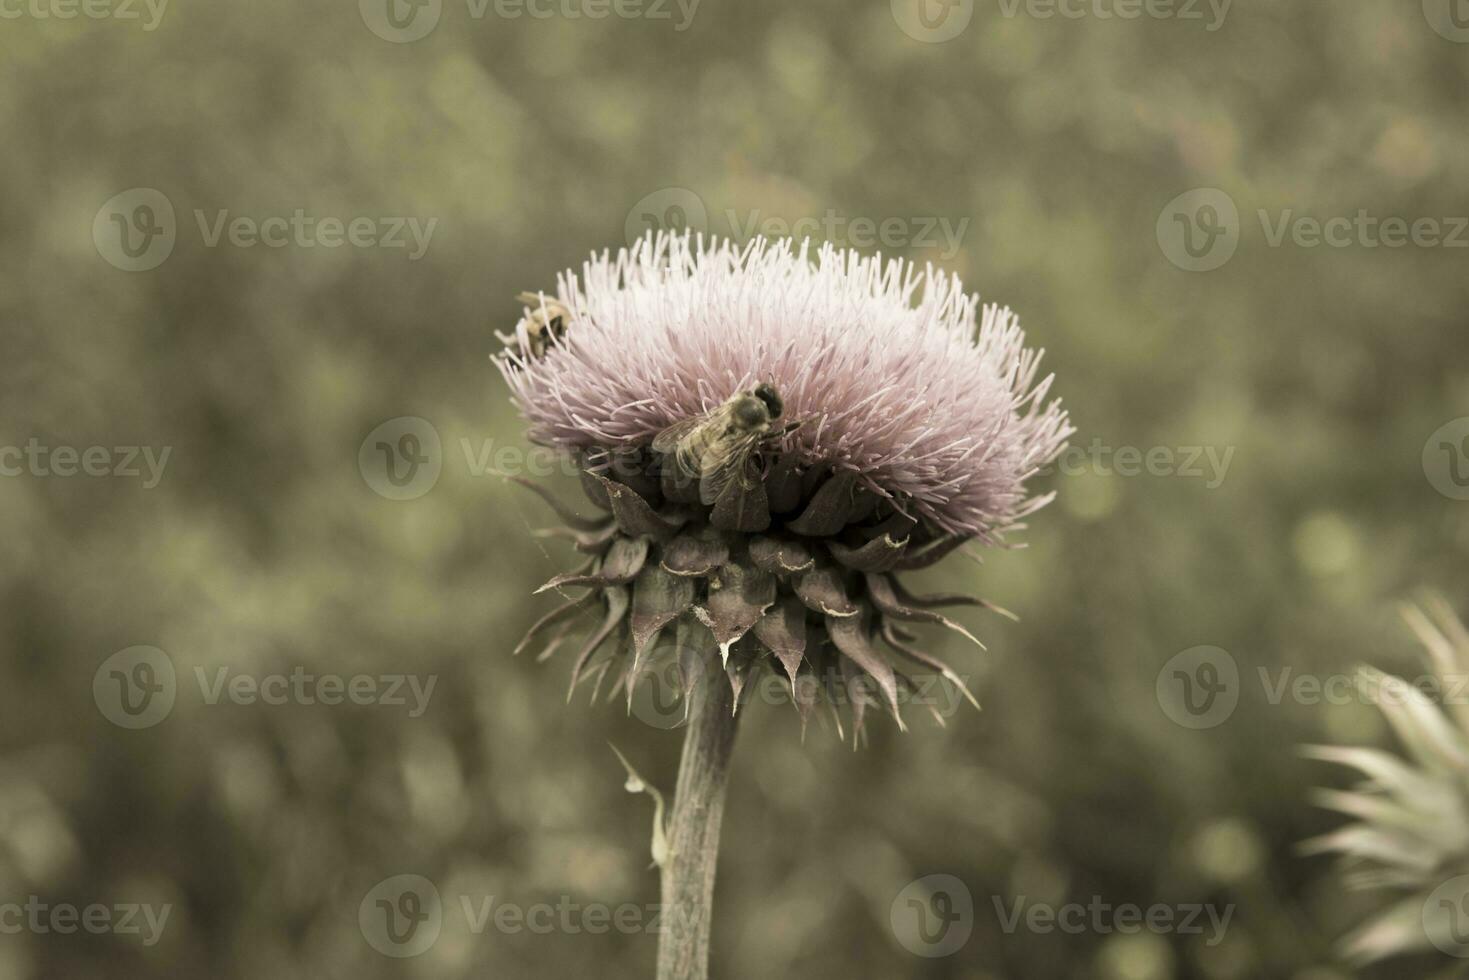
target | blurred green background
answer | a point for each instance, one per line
(1056, 143)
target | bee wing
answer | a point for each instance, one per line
(691, 439)
(671, 438)
(726, 464)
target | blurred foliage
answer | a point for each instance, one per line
(262, 549)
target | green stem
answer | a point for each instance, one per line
(693, 831)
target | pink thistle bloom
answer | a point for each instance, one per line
(933, 404)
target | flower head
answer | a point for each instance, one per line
(899, 422)
(1412, 814)
(903, 395)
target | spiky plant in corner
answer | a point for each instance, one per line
(899, 423)
(1412, 814)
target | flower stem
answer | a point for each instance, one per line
(693, 832)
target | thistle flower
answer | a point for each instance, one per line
(910, 422)
(1412, 814)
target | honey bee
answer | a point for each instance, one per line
(716, 447)
(545, 326)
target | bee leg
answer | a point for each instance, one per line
(790, 427)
